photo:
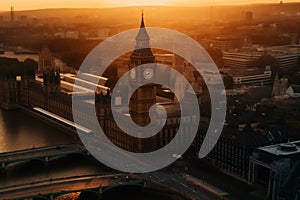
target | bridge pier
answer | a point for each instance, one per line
(100, 193)
(46, 162)
(3, 168)
(100, 196)
(88, 153)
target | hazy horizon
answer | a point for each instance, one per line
(20, 5)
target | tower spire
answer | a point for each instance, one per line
(142, 23)
(142, 38)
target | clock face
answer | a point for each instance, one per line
(132, 73)
(148, 73)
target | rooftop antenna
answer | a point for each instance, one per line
(211, 14)
(12, 13)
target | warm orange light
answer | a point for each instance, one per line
(37, 4)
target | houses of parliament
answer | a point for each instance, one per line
(42, 88)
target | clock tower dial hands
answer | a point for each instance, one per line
(148, 73)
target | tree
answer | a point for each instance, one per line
(217, 55)
(228, 81)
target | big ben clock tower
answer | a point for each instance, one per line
(144, 97)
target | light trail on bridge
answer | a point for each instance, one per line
(57, 187)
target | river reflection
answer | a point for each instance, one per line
(19, 130)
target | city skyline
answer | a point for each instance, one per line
(93, 107)
(38, 4)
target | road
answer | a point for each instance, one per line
(177, 183)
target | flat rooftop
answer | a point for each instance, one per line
(244, 72)
(223, 38)
(284, 149)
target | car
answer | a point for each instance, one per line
(177, 156)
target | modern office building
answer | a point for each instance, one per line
(222, 43)
(250, 76)
(286, 58)
(240, 59)
(233, 150)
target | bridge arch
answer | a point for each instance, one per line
(41, 198)
(62, 193)
(46, 154)
(90, 194)
(78, 153)
(135, 184)
(6, 164)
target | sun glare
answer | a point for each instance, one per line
(38, 4)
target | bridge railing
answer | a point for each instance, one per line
(42, 153)
(53, 180)
(39, 149)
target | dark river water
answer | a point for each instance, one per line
(19, 130)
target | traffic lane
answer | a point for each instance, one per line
(179, 184)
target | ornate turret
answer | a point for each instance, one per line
(46, 62)
(49, 71)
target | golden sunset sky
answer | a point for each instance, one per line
(38, 4)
